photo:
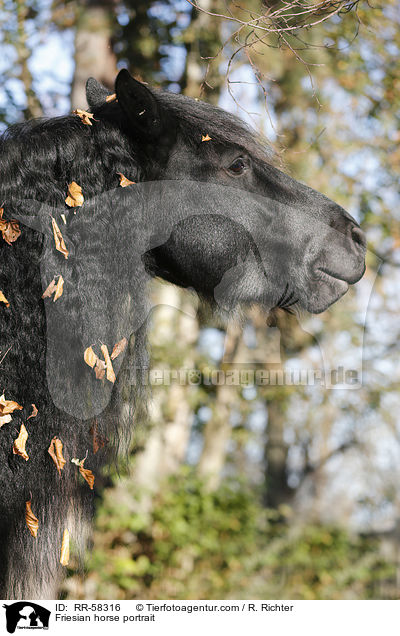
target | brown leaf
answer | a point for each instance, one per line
(10, 229)
(55, 452)
(119, 348)
(87, 476)
(19, 443)
(110, 375)
(124, 181)
(64, 558)
(90, 357)
(53, 287)
(8, 406)
(75, 197)
(50, 289)
(100, 369)
(206, 137)
(3, 299)
(4, 419)
(98, 440)
(34, 412)
(58, 239)
(85, 472)
(31, 521)
(84, 115)
(111, 98)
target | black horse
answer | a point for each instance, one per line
(208, 209)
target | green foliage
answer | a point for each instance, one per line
(193, 543)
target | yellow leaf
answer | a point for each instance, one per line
(111, 98)
(206, 137)
(84, 115)
(110, 375)
(8, 406)
(75, 197)
(90, 357)
(119, 348)
(53, 287)
(64, 558)
(4, 419)
(3, 299)
(59, 288)
(124, 182)
(20, 442)
(58, 239)
(31, 521)
(55, 452)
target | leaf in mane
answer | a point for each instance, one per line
(3, 299)
(31, 521)
(84, 116)
(110, 375)
(58, 288)
(206, 137)
(75, 197)
(119, 348)
(58, 239)
(124, 182)
(64, 557)
(10, 229)
(56, 454)
(20, 442)
(8, 406)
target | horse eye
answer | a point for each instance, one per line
(238, 166)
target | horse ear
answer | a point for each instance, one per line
(96, 93)
(139, 105)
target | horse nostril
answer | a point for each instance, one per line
(359, 237)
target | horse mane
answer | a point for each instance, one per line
(40, 157)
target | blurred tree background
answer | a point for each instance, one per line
(250, 491)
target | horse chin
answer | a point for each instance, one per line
(325, 294)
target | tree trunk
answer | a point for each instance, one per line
(94, 56)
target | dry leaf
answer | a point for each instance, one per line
(119, 348)
(111, 98)
(50, 289)
(10, 229)
(64, 218)
(31, 521)
(8, 406)
(100, 369)
(55, 452)
(59, 289)
(124, 181)
(75, 196)
(84, 115)
(87, 476)
(58, 239)
(110, 375)
(85, 472)
(206, 137)
(98, 440)
(64, 558)
(53, 287)
(34, 411)
(3, 299)
(90, 357)
(20, 442)
(4, 419)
